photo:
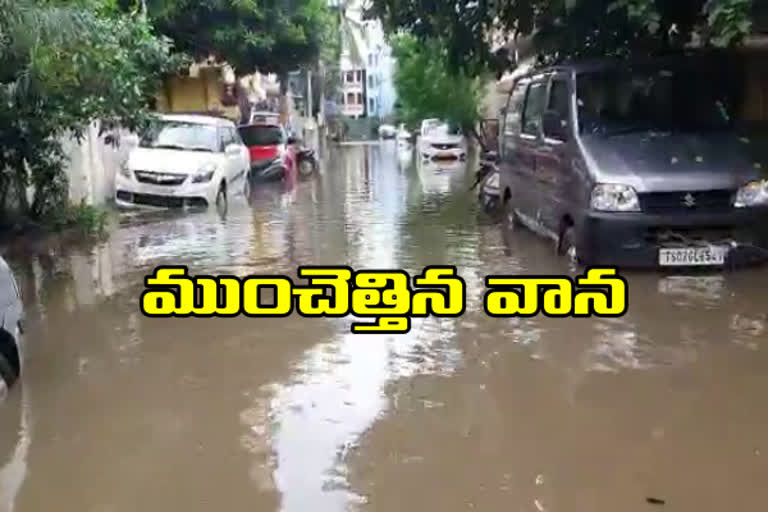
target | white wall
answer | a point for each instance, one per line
(93, 165)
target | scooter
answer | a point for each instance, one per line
(487, 181)
(268, 171)
(306, 161)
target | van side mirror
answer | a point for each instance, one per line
(555, 126)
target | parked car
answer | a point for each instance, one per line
(635, 163)
(403, 135)
(441, 141)
(272, 152)
(264, 117)
(184, 160)
(11, 316)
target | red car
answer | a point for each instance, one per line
(273, 156)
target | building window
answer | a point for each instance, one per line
(370, 59)
(371, 81)
(372, 104)
(360, 99)
(359, 76)
(350, 98)
(350, 77)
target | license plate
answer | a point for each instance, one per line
(692, 256)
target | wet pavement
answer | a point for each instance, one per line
(118, 412)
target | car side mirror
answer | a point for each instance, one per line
(555, 126)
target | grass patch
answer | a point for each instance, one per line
(89, 219)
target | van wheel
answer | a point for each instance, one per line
(567, 245)
(221, 198)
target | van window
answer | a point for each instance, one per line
(558, 98)
(534, 108)
(513, 120)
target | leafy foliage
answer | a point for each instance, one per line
(250, 35)
(474, 33)
(427, 88)
(64, 65)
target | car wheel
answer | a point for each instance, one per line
(566, 245)
(509, 219)
(221, 199)
(8, 375)
(247, 188)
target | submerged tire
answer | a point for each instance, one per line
(508, 217)
(8, 374)
(566, 245)
(221, 199)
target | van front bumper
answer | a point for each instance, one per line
(634, 239)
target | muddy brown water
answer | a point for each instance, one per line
(665, 407)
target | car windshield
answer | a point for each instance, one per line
(614, 102)
(263, 135)
(181, 135)
(443, 129)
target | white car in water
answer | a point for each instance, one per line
(438, 141)
(183, 160)
(387, 131)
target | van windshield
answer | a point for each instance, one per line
(613, 102)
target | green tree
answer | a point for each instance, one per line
(471, 30)
(62, 66)
(428, 88)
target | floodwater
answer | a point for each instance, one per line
(663, 408)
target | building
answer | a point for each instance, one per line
(379, 71)
(212, 88)
(367, 66)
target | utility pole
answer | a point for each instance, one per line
(309, 93)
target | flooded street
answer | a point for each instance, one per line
(119, 412)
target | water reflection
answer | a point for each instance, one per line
(13, 462)
(338, 390)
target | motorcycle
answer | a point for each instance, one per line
(306, 161)
(487, 181)
(272, 170)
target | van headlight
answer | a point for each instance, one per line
(205, 174)
(754, 193)
(612, 197)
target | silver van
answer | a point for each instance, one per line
(636, 163)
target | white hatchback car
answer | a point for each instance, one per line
(438, 141)
(183, 160)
